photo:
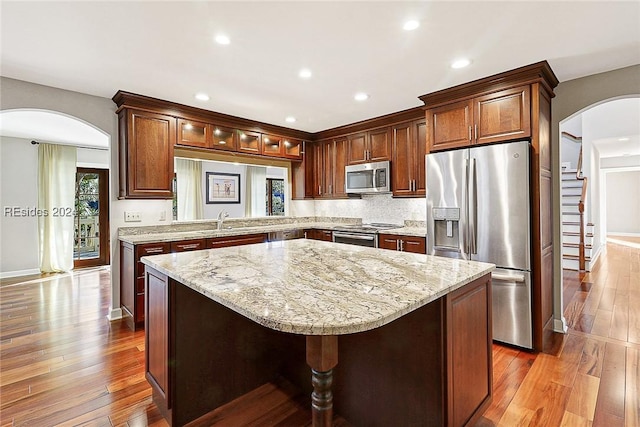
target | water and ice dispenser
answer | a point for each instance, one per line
(446, 228)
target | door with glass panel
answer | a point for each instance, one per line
(91, 221)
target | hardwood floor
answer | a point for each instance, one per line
(63, 363)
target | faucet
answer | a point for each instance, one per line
(221, 216)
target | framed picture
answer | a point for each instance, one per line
(223, 187)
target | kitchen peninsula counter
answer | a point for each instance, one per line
(396, 328)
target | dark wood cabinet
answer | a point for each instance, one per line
(409, 147)
(194, 134)
(293, 148)
(249, 142)
(146, 143)
(493, 117)
(224, 138)
(132, 279)
(272, 145)
(330, 159)
(325, 235)
(302, 174)
(395, 242)
(248, 239)
(371, 146)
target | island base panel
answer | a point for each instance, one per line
(394, 374)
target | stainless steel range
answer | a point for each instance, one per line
(361, 234)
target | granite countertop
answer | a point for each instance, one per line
(173, 236)
(313, 287)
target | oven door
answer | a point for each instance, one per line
(360, 239)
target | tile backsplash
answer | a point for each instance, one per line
(375, 208)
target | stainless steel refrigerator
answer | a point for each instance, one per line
(478, 209)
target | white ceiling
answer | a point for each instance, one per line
(166, 50)
(614, 127)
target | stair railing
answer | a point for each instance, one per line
(582, 261)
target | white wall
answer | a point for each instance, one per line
(623, 202)
(19, 253)
(18, 187)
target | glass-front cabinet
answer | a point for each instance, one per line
(249, 142)
(272, 145)
(293, 148)
(193, 134)
(224, 138)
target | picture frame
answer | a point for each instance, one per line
(223, 188)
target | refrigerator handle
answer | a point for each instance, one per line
(473, 208)
(465, 231)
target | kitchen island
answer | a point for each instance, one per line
(392, 338)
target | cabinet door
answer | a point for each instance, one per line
(402, 160)
(224, 138)
(194, 134)
(379, 145)
(146, 156)
(449, 126)
(225, 242)
(340, 162)
(249, 142)
(502, 116)
(325, 235)
(272, 145)
(416, 245)
(420, 176)
(293, 148)
(318, 168)
(328, 153)
(388, 241)
(357, 148)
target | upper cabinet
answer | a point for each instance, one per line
(409, 147)
(371, 146)
(194, 134)
(146, 143)
(330, 159)
(499, 116)
(224, 138)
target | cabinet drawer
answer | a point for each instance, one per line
(140, 307)
(187, 245)
(140, 285)
(223, 242)
(152, 249)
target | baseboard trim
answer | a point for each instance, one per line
(615, 233)
(18, 273)
(114, 314)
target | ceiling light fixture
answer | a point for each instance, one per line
(361, 96)
(460, 63)
(410, 25)
(290, 119)
(305, 73)
(623, 139)
(202, 96)
(222, 39)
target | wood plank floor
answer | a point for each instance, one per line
(63, 363)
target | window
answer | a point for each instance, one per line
(275, 196)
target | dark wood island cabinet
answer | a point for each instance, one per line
(425, 360)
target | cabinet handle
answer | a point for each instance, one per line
(153, 250)
(191, 246)
(401, 245)
(330, 189)
(469, 132)
(475, 132)
(319, 189)
(397, 245)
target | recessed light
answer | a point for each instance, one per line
(202, 96)
(361, 96)
(290, 119)
(305, 73)
(623, 139)
(410, 25)
(460, 63)
(222, 39)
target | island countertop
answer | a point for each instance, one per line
(313, 287)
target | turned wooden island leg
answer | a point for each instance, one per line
(322, 357)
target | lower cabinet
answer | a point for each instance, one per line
(326, 235)
(132, 284)
(414, 244)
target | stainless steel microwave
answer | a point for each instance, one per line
(368, 178)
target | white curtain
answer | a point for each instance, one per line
(256, 194)
(56, 201)
(189, 189)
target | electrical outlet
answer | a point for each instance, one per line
(163, 215)
(132, 217)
